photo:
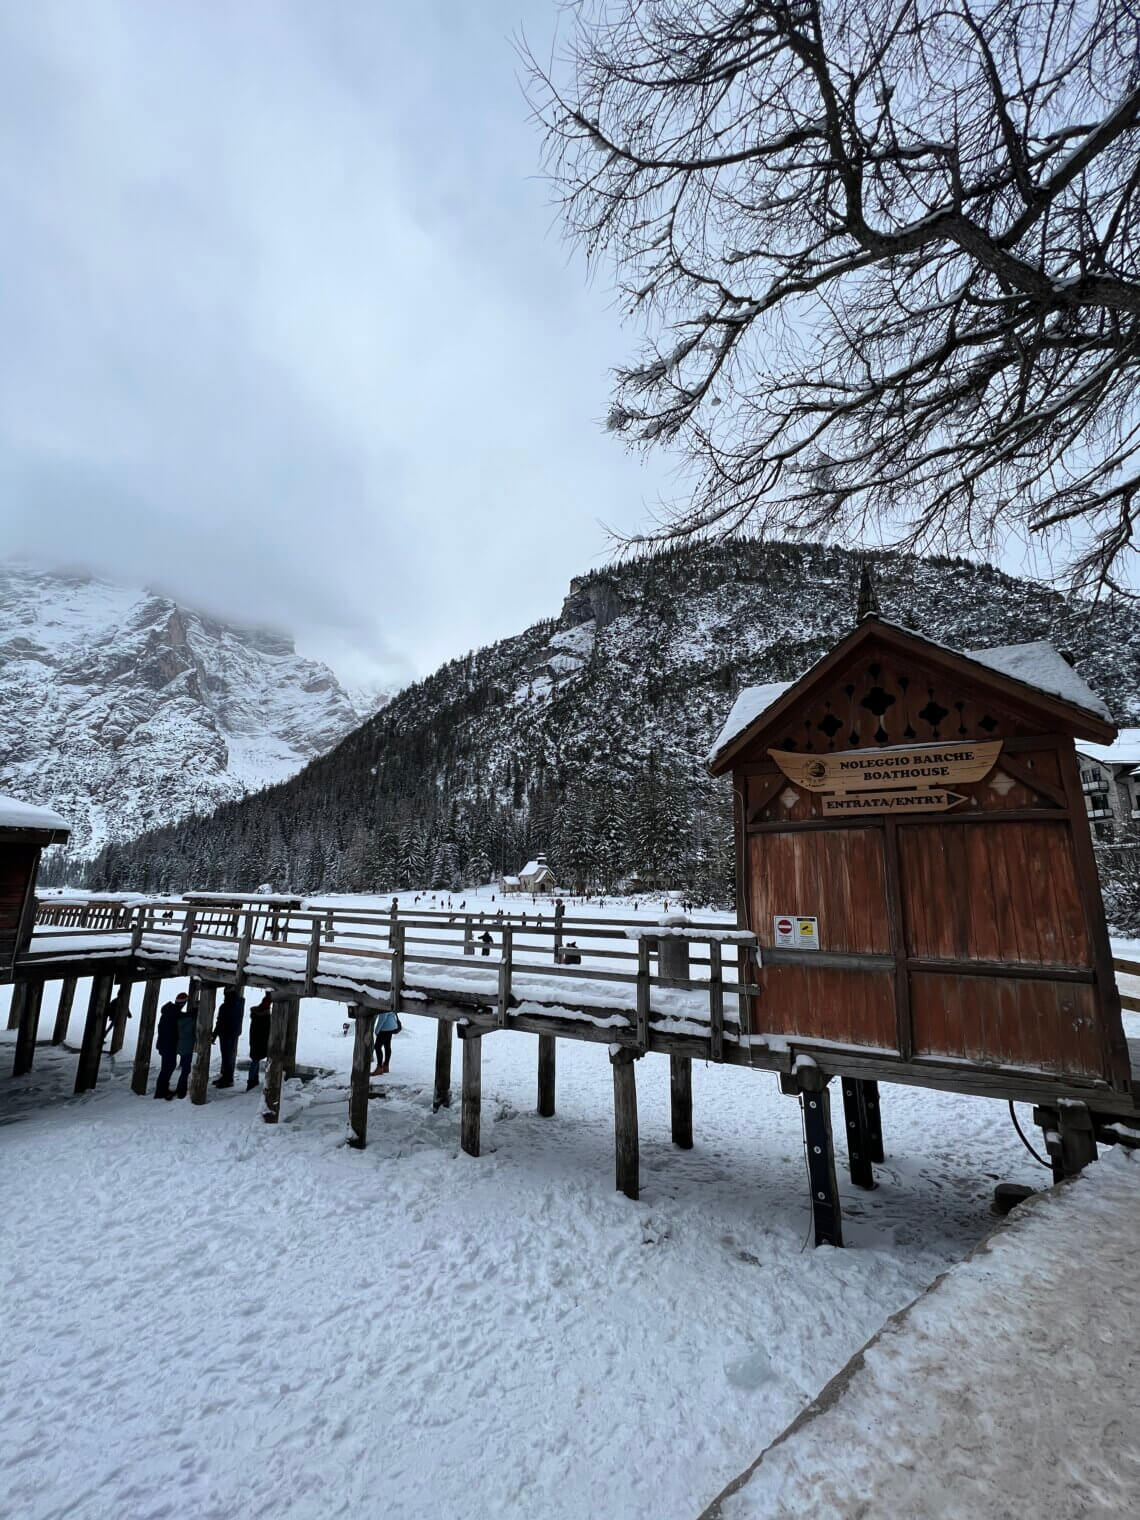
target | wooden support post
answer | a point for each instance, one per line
(472, 1040)
(468, 936)
(625, 1121)
(330, 928)
(29, 1026)
(874, 1121)
(63, 1010)
(815, 1103)
(441, 1097)
(364, 1019)
(396, 940)
(291, 1031)
(642, 1001)
(393, 921)
(278, 1028)
(716, 1003)
(1078, 1143)
(681, 1101)
(559, 915)
(506, 957)
(94, 1027)
(858, 1142)
(122, 1012)
(140, 1071)
(547, 1057)
(313, 958)
(16, 1006)
(203, 1042)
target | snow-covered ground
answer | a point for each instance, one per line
(210, 1316)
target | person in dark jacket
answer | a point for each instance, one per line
(187, 1022)
(166, 1041)
(227, 1032)
(258, 1039)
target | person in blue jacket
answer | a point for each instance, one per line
(387, 1024)
(187, 1019)
(166, 1042)
(227, 1032)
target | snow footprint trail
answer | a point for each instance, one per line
(217, 1317)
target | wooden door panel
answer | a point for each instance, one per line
(824, 1003)
(836, 876)
(1005, 891)
(1007, 1021)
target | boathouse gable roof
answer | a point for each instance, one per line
(1033, 678)
(39, 825)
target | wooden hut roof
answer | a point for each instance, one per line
(39, 825)
(1034, 674)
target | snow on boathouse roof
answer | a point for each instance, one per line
(24, 815)
(1037, 665)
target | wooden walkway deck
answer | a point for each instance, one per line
(635, 986)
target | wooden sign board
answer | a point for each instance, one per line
(936, 800)
(921, 767)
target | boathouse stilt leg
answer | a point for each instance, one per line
(874, 1121)
(364, 1020)
(472, 1041)
(140, 1071)
(858, 1137)
(681, 1100)
(1078, 1143)
(625, 1123)
(203, 1044)
(441, 1097)
(94, 1028)
(547, 1059)
(63, 1010)
(274, 1066)
(29, 1025)
(122, 1014)
(815, 1103)
(16, 1006)
(291, 1031)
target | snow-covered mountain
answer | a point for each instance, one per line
(124, 710)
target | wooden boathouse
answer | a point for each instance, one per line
(917, 903)
(25, 831)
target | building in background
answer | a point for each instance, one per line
(1110, 780)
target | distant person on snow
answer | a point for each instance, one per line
(187, 1019)
(486, 941)
(387, 1024)
(258, 1039)
(227, 1032)
(167, 1044)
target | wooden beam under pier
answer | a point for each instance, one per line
(144, 1044)
(274, 1066)
(858, 1133)
(472, 1041)
(547, 1058)
(364, 1020)
(204, 998)
(63, 1010)
(94, 1029)
(815, 1104)
(122, 1012)
(291, 1031)
(29, 1025)
(441, 1095)
(627, 1166)
(681, 1101)
(16, 1006)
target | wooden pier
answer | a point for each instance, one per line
(681, 990)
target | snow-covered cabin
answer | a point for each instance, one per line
(536, 876)
(1110, 781)
(24, 831)
(914, 858)
(510, 884)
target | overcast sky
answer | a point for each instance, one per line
(287, 326)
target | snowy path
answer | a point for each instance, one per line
(208, 1316)
(1036, 1416)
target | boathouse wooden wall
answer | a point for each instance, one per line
(971, 935)
(18, 864)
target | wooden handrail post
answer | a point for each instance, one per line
(243, 949)
(505, 974)
(716, 1002)
(330, 928)
(397, 942)
(393, 920)
(468, 936)
(184, 942)
(642, 997)
(313, 959)
(137, 928)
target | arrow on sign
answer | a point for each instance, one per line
(914, 801)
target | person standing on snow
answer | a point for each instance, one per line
(187, 1020)
(258, 1039)
(227, 1032)
(387, 1024)
(166, 1041)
